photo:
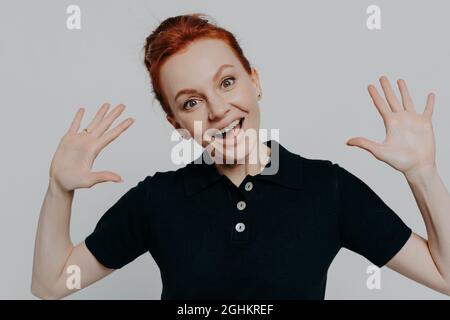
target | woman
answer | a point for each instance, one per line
(265, 223)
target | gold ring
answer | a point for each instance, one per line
(85, 130)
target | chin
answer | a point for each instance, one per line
(236, 153)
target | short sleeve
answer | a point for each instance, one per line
(121, 234)
(367, 225)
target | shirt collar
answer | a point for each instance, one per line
(199, 174)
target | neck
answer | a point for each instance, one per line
(236, 172)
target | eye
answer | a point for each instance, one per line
(228, 80)
(188, 105)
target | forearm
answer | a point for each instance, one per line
(52, 244)
(433, 200)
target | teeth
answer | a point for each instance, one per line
(228, 128)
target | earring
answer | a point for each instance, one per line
(259, 96)
(185, 135)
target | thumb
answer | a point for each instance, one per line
(366, 144)
(104, 176)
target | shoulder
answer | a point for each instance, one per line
(321, 174)
(309, 172)
(164, 181)
(315, 170)
(317, 165)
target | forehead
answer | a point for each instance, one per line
(196, 64)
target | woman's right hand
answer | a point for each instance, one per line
(72, 163)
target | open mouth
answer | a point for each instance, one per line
(230, 131)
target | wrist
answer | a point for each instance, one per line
(421, 174)
(56, 189)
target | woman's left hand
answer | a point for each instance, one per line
(409, 144)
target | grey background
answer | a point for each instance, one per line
(315, 59)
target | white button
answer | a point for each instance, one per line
(240, 227)
(241, 205)
(249, 186)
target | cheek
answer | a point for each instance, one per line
(195, 124)
(254, 117)
(244, 96)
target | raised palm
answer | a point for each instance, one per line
(71, 166)
(409, 142)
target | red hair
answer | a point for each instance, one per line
(176, 33)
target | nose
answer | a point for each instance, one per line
(217, 109)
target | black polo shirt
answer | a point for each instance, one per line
(273, 237)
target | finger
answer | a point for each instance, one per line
(112, 134)
(106, 122)
(373, 147)
(390, 95)
(75, 124)
(103, 176)
(406, 97)
(98, 116)
(429, 107)
(378, 101)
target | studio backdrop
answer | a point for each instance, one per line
(315, 60)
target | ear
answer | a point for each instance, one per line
(255, 80)
(172, 121)
(183, 132)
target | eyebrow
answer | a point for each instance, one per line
(216, 75)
